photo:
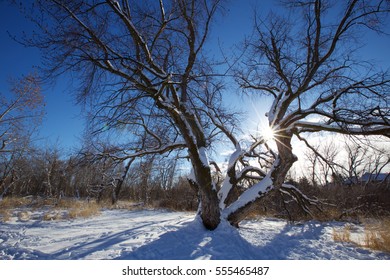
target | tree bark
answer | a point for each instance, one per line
(282, 165)
(209, 203)
(118, 187)
(286, 158)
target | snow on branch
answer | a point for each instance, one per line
(250, 195)
(304, 126)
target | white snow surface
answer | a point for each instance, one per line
(158, 234)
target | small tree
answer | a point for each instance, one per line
(356, 156)
(20, 114)
(323, 162)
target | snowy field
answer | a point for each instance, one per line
(147, 234)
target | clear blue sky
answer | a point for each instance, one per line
(63, 122)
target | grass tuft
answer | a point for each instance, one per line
(84, 210)
(5, 215)
(13, 202)
(8, 204)
(342, 235)
(54, 209)
(378, 237)
(52, 216)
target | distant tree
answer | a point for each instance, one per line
(357, 155)
(362, 158)
(379, 161)
(323, 162)
(98, 175)
(312, 159)
(21, 111)
(144, 68)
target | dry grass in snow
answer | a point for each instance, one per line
(376, 235)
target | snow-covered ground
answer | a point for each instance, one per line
(147, 234)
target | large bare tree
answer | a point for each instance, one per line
(144, 67)
(312, 70)
(142, 64)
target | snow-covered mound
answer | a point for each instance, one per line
(121, 234)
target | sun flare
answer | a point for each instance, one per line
(268, 133)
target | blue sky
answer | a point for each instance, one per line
(63, 123)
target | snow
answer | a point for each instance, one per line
(226, 186)
(203, 156)
(118, 5)
(224, 191)
(276, 106)
(250, 195)
(158, 234)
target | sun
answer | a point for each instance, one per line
(268, 133)
(264, 130)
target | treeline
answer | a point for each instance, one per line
(338, 201)
(156, 181)
(26, 170)
(149, 181)
(349, 178)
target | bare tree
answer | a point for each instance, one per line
(308, 68)
(323, 162)
(20, 113)
(312, 159)
(357, 155)
(143, 67)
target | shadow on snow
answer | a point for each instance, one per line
(191, 240)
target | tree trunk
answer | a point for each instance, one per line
(118, 186)
(209, 203)
(236, 217)
(286, 159)
(282, 165)
(210, 212)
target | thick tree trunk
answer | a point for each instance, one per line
(286, 159)
(236, 217)
(282, 165)
(208, 198)
(189, 125)
(210, 212)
